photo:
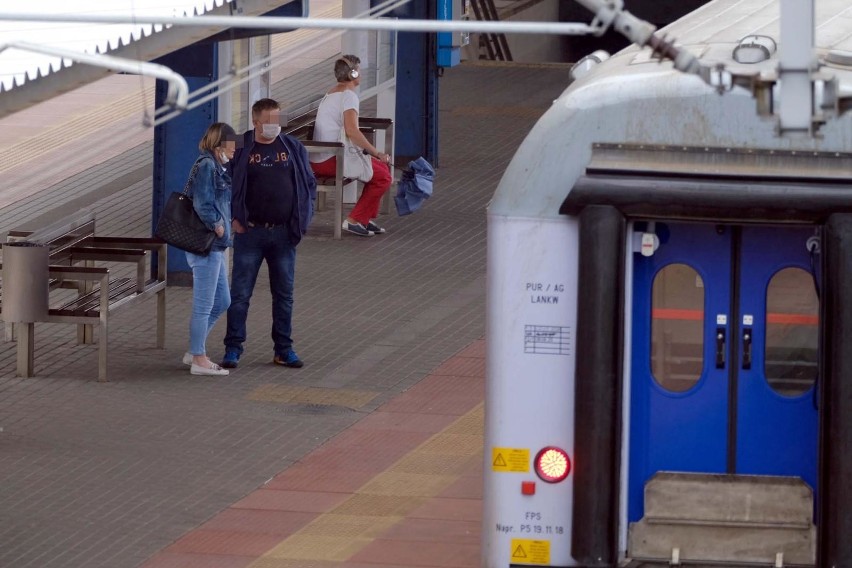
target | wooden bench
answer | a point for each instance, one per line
(73, 253)
(378, 130)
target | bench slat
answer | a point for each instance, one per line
(89, 304)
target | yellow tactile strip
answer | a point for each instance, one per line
(312, 395)
(383, 501)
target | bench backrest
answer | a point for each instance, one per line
(59, 236)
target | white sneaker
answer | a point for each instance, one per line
(187, 358)
(214, 370)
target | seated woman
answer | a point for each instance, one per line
(339, 109)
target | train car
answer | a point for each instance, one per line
(668, 314)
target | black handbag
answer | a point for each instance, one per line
(180, 226)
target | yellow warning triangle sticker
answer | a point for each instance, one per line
(519, 552)
(499, 461)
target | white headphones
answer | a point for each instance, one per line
(353, 73)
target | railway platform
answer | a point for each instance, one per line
(369, 456)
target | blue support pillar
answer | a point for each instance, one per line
(416, 131)
(176, 141)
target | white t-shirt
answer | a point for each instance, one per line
(329, 119)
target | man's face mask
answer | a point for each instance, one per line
(271, 130)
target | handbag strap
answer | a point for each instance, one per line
(191, 176)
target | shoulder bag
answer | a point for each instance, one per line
(356, 164)
(180, 226)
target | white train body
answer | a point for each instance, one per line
(533, 252)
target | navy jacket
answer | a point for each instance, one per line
(306, 184)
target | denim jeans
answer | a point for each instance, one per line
(210, 296)
(250, 250)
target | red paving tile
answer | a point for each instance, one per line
(444, 532)
(475, 349)
(279, 523)
(298, 501)
(180, 560)
(404, 422)
(303, 477)
(451, 403)
(462, 367)
(231, 543)
(414, 553)
(466, 487)
(450, 509)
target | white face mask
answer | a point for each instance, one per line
(223, 158)
(271, 130)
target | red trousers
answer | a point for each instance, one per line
(367, 207)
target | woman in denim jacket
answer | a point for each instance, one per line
(211, 198)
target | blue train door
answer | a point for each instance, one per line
(723, 354)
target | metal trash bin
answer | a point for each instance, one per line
(25, 282)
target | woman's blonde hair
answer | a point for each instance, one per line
(216, 134)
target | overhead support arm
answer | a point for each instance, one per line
(178, 90)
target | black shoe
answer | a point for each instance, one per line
(357, 229)
(375, 228)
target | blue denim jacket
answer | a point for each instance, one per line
(211, 197)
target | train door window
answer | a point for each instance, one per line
(792, 326)
(677, 327)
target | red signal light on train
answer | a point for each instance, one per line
(552, 464)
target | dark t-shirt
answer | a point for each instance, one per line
(271, 188)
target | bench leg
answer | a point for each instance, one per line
(321, 204)
(161, 319)
(102, 351)
(26, 349)
(338, 209)
(9, 331)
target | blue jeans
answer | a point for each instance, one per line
(210, 296)
(250, 250)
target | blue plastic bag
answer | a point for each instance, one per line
(415, 187)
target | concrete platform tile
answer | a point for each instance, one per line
(450, 509)
(311, 395)
(364, 440)
(404, 422)
(458, 532)
(279, 523)
(183, 560)
(297, 501)
(305, 477)
(420, 553)
(225, 542)
(355, 458)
